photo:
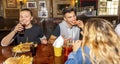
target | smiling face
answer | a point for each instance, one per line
(25, 17)
(70, 17)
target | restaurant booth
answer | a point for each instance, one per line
(9, 17)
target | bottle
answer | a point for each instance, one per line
(21, 33)
(33, 50)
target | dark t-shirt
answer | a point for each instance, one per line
(56, 32)
(32, 34)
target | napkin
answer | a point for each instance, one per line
(58, 42)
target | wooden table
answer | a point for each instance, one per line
(44, 55)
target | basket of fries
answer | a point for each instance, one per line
(19, 60)
(22, 47)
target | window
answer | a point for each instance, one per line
(108, 7)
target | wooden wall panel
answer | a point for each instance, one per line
(12, 13)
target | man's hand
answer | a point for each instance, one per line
(44, 41)
(79, 23)
(18, 28)
(52, 39)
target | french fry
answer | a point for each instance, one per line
(19, 60)
(22, 47)
(25, 60)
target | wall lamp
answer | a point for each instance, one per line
(21, 3)
(76, 3)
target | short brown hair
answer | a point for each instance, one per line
(26, 9)
(68, 10)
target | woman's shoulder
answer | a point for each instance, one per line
(86, 50)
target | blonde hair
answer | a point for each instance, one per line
(102, 40)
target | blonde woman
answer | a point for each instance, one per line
(103, 42)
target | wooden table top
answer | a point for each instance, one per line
(44, 55)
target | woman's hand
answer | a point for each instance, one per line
(76, 45)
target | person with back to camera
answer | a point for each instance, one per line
(32, 32)
(69, 28)
(100, 44)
